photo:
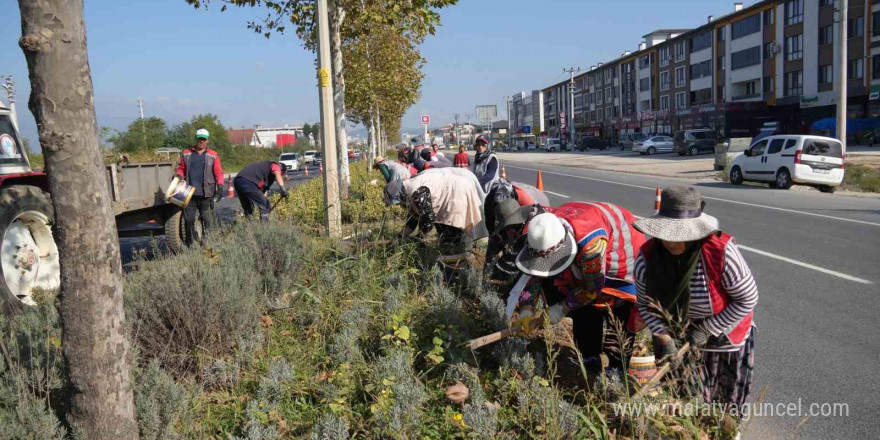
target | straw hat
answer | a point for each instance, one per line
(551, 248)
(378, 160)
(681, 217)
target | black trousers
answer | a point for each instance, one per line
(249, 195)
(589, 326)
(204, 206)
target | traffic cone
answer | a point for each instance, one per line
(307, 171)
(230, 191)
(503, 172)
(540, 183)
(320, 168)
(657, 202)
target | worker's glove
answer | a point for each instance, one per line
(218, 193)
(178, 176)
(556, 312)
(669, 352)
(697, 335)
(525, 320)
(284, 194)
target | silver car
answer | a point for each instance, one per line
(653, 145)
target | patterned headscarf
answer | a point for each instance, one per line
(421, 208)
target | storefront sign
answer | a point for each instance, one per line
(818, 100)
(875, 92)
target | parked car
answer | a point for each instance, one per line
(309, 156)
(592, 142)
(318, 159)
(694, 142)
(291, 160)
(627, 140)
(654, 145)
(726, 151)
(553, 144)
(783, 160)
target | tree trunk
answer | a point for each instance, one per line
(93, 321)
(374, 147)
(379, 133)
(337, 16)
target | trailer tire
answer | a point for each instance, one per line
(175, 233)
(28, 254)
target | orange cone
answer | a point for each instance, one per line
(320, 168)
(230, 191)
(540, 183)
(503, 173)
(657, 202)
(307, 171)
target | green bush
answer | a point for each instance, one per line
(861, 178)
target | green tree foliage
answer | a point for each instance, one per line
(142, 135)
(183, 135)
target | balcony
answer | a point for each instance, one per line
(744, 97)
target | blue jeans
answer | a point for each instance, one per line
(249, 194)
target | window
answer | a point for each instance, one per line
(680, 78)
(608, 76)
(702, 69)
(855, 27)
(680, 100)
(775, 146)
(826, 74)
(608, 113)
(751, 88)
(700, 42)
(826, 35)
(769, 17)
(768, 50)
(875, 67)
(664, 80)
(745, 58)
(769, 83)
(855, 69)
(644, 62)
(645, 84)
(664, 102)
(679, 51)
(794, 47)
(825, 3)
(758, 149)
(699, 97)
(746, 26)
(664, 56)
(721, 34)
(794, 83)
(875, 22)
(794, 12)
(721, 63)
(599, 97)
(608, 96)
(790, 143)
(720, 93)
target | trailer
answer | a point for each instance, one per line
(29, 258)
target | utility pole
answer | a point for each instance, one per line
(507, 110)
(457, 131)
(332, 203)
(570, 116)
(841, 73)
(140, 102)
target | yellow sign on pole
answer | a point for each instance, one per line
(324, 77)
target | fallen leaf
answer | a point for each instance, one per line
(285, 332)
(457, 393)
(267, 321)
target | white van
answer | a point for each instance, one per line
(309, 156)
(553, 144)
(291, 160)
(783, 160)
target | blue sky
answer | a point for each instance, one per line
(185, 62)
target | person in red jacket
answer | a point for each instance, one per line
(581, 257)
(200, 167)
(462, 160)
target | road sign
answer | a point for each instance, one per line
(426, 119)
(485, 112)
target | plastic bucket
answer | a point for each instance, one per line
(179, 192)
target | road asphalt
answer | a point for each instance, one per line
(814, 258)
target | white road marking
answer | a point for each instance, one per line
(710, 198)
(806, 265)
(557, 194)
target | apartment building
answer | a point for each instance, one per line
(773, 60)
(527, 112)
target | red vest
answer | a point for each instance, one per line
(461, 160)
(712, 256)
(590, 220)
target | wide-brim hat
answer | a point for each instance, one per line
(378, 160)
(508, 212)
(681, 217)
(551, 247)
